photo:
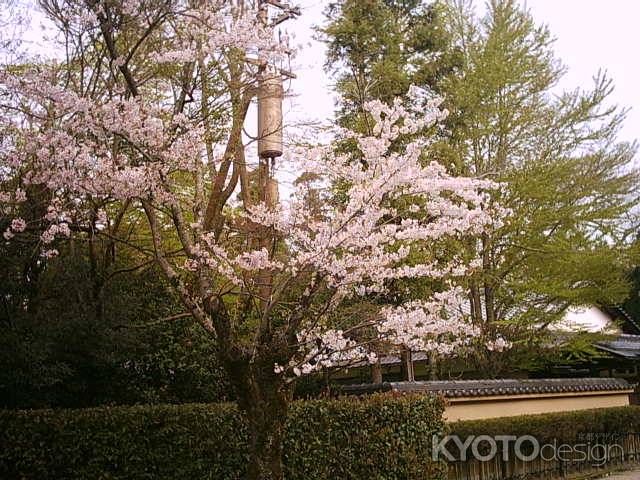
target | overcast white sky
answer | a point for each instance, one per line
(591, 35)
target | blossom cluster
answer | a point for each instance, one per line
(214, 26)
(499, 344)
(320, 349)
(438, 325)
(397, 207)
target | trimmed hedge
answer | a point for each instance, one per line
(562, 426)
(583, 442)
(378, 437)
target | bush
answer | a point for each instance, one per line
(563, 426)
(60, 353)
(378, 437)
(572, 443)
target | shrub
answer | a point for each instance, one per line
(378, 437)
(582, 442)
(561, 426)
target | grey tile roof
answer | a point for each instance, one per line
(386, 360)
(626, 346)
(482, 388)
(628, 318)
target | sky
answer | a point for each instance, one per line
(590, 35)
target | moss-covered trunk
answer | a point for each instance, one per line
(263, 397)
(266, 418)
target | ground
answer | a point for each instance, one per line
(628, 475)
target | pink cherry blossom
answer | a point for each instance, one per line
(18, 225)
(257, 270)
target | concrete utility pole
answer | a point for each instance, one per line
(270, 125)
(270, 96)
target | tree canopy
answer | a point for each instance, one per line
(569, 183)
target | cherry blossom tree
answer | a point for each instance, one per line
(143, 117)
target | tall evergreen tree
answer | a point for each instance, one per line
(377, 49)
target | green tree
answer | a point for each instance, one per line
(632, 304)
(97, 325)
(377, 49)
(567, 179)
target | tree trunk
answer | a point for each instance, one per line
(433, 366)
(266, 419)
(326, 379)
(376, 372)
(263, 398)
(407, 362)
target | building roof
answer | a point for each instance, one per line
(386, 360)
(482, 388)
(625, 346)
(630, 323)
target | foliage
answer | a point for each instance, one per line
(569, 183)
(561, 426)
(374, 437)
(379, 48)
(559, 349)
(57, 351)
(632, 303)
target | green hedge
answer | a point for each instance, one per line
(380, 437)
(562, 426)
